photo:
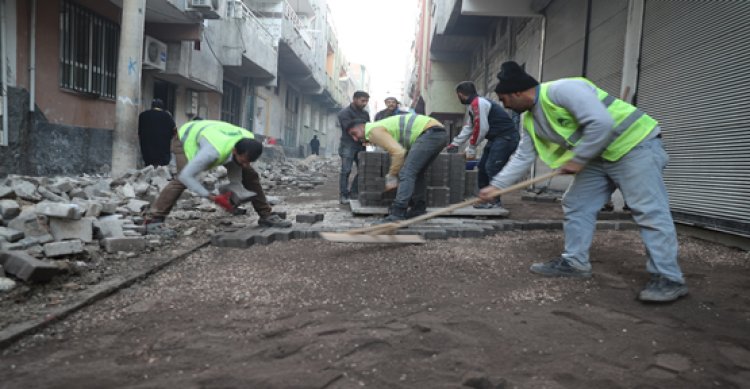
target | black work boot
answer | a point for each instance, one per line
(396, 214)
(416, 211)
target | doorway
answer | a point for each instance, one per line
(166, 92)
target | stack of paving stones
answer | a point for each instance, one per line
(373, 167)
(457, 177)
(438, 175)
(448, 182)
(470, 183)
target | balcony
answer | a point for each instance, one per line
(296, 52)
(168, 11)
(246, 46)
(195, 69)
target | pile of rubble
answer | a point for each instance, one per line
(47, 222)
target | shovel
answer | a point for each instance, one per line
(381, 233)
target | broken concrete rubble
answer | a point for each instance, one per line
(58, 217)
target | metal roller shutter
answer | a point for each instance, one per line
(607, 44)
(694, 79)
(564, 39)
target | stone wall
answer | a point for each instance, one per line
(39, 148)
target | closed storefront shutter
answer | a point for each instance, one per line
(564, 39)
(694, 79)
(606, 44)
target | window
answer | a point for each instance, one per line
(231, 102)
(88, 51)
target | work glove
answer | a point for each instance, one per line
(224, 200)
(452, 148)
(391, 182)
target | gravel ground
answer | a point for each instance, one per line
(449, 314)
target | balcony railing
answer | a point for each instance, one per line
(291, 15)
(239, 10)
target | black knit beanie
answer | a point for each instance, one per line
(513, 79)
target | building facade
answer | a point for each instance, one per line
(680, 61)
(270, 66)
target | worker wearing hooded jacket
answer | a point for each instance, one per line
(607, 143)
(205, 144)
(413, 142)
(485, 119)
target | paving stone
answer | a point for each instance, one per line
(25, 190)
(63, 185)
(472, 232)
(6, 284)
(309, 217)
(238, 239)
(9, 209)
(113, 245)
(30, 223)
(282, 235)
(59, 210)
(265, 237)
(48, 195)
(58, 249)
(94, 209)
(108, 228)
(546, 225)
(26, 267)
(627, 226)
(606, 225)
(10, 234)
(6, 192)
(63, 229)
(430, 234)
(136, 206)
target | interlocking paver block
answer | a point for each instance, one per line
(26, 267)
(59, 249)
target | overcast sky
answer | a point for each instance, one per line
(377, 34)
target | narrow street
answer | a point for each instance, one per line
(452, 313)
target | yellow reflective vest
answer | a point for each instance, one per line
(221, 135)
(631, 126)
(405, 129)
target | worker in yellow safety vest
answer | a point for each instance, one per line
(413, 142)
(201, 145)
(574, 126)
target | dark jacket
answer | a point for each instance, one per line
(346, 116)
(384, 113)
(155, 131)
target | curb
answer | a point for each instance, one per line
(14, 332)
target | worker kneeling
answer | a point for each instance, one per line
(205, 144)
(413, 141)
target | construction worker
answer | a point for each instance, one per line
(391, 108)
(413, 142)
(485, 119)
(574, 126)
(204, 144)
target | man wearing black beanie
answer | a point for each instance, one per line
(574, 126)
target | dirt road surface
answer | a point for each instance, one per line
(458, 313)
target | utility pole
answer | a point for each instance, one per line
(125, 138)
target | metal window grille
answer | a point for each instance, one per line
(88, 51)
(231, 102)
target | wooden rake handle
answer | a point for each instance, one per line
(384, 228)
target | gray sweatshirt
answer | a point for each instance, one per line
(581, 100)
(202, 161)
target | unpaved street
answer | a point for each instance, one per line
(310, 314)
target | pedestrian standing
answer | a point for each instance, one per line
(156, 129)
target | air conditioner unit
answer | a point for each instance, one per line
(209, 9)
(154, 54)
(210, 4)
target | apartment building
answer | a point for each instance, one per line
(273, 67)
